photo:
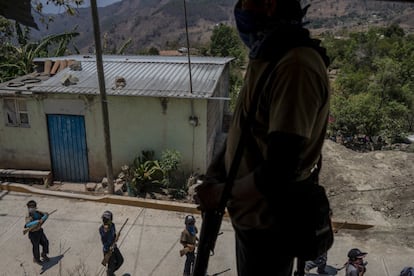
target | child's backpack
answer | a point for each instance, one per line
(407, 271)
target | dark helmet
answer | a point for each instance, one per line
(189, 219)
(31, 204)
(355, 253)
(107, 216)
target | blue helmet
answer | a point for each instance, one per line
(189, 219)
(107, 216)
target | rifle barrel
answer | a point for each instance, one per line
(210, 228)
(123, 225)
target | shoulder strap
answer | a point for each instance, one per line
(239, 150)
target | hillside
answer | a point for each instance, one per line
(161, 23)
(374, 188)
(157, 23)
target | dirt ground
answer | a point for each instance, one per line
(373, 188)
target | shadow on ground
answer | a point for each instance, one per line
(52, 262)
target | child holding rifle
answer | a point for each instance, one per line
(188, 240)
(112, 256)
(356, 265)
(34, 221)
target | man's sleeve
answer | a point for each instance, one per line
(29, 221)
(294, 97)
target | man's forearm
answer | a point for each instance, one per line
(282, 163)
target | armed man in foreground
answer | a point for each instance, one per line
(285, 104)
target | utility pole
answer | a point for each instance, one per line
(102, 90)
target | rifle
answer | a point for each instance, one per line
(209, 230)
(211, 223)
(27, 229)
(300, 267)
(212, 218)
(108, 254)
(187, 249)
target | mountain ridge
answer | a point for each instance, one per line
(161, 23)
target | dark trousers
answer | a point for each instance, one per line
(115, 262)
(189, 263)
(252, 247)
(39, 238)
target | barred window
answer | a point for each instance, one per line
(16, 113)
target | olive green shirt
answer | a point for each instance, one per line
(295, 100)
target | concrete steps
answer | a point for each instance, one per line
(44, 176)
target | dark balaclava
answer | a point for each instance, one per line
(31, 206)
(269, 37)
(251, 25)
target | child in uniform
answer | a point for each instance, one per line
(189, 241)
(37, 236)
(107, 232)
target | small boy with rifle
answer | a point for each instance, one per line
(356, 265)
(34, 221)
(112, 256)
(189, 241)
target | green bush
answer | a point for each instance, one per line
(147, 174)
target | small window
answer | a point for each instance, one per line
(16, 113)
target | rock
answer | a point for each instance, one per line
(104, 182)
(90, 186)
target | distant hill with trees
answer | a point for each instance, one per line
(373, 87)
(370, 44)
(161, 23)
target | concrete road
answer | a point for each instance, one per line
(149, 241)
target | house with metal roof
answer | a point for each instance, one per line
(52, 119)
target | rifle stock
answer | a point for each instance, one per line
(108, 254)
(105, 260)
(210, 228)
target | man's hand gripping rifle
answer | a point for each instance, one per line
(212, 218)
(111, 248)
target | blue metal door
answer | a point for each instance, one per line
(67, 142)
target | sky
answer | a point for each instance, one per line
(50, 8)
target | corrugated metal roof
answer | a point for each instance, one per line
(157, 76)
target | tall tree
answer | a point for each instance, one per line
(225, 42)
(373, 89)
